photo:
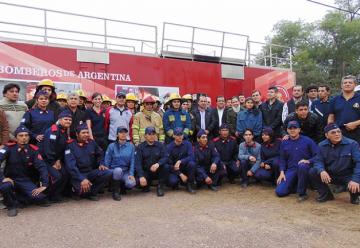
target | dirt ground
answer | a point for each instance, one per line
(231, 217)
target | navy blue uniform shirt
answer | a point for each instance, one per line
(183, 152)
(147, 155)
(82, 158)
(37, 121)
(292, 151)
(227, 148)
(205, 156)
(53, 145)
(342, 159)
(24, 162)
(345, 111)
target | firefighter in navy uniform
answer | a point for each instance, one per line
(228, 149)
(52, 149)
(151, 161)
(181, 161)
(208, 162)
(84, 162)
(26, 168)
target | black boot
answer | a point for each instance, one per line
(12, 212)
(189, 188)
(115, 188)
(160, 190)
(354, 198)
(326, 197)
(213, 187)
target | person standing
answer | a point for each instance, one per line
(231, 115)
(147, 118)
(4, 128)
(289, 106)
(95, 120)
(176, 117)
(344, 109)
(48, 86)
(271, 111)
(219, 113)
(204, 118)
(321, 106)
(78, 116)
(13, 108)
(310, 123)
(39, 118)
(250, 118)
(117, 116)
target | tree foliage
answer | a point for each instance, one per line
(322, 51)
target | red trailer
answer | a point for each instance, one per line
(205, 61)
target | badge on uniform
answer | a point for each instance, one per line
(53, 136)
(22, 120)
(2, 151)
(183, 117)
(356, 105)
(67, 152)
(171, 118)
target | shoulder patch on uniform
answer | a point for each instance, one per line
(67, 151)
(52, 137)
(34, 147)
(216, 139)
(54, 128)
(2, 151)
(10, 144)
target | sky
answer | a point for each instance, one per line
(254, 18)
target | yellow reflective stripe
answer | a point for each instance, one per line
(170, 133)
(135, 126)
(161, 137)
(191, 132)
(186, 131)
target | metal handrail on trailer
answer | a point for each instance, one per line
(239, 52)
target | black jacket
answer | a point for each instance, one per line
(210, 122)
(216, 117)
(311, 126)
(272, 115)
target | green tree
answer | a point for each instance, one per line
(322, 51)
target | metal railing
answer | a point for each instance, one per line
(265, 55)
(194, 41)
(106, 37)
(55, 28)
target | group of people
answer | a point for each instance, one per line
(53, 148)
